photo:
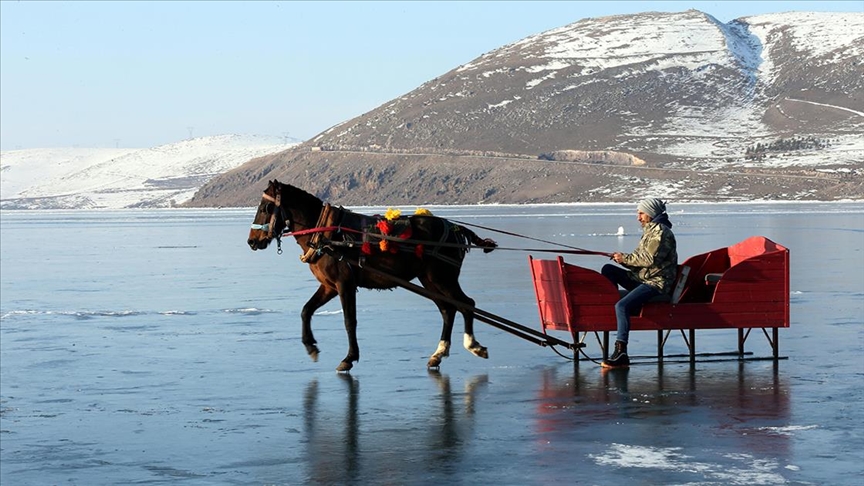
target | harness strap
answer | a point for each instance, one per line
(436, 250)
(268, 226)
(277, 201)
(313, 252)
(322, 229)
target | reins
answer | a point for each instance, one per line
(321, 230)
(318, 231)
(574, 249)
(571, 249)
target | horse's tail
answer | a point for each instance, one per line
(487, 244)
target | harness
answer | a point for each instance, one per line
(324, 225)
(268, 227)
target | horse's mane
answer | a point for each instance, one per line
(299, 197)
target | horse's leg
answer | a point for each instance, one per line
(348, 296)
(454, 292)
(448, 313)
(468, 340)
(318, 299)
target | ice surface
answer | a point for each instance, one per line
(152, 346)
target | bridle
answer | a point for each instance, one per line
(271, 225)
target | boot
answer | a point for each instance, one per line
(619, 358)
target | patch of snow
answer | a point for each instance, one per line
(23, 169)
(841, 108)
(120, 178)
(646, 40)
(535, 82)
(744, 468)
(806, 32)
(552, 66)
(499, 105)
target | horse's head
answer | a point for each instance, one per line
(270, 220)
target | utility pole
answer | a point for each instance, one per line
(190, 131)
(116, 143)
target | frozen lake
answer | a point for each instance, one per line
(153, 347)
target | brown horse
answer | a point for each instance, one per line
(346, 251)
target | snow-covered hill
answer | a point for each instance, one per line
(86, 178)
(670, 87)
(762, 107)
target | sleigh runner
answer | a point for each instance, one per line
(744, 286)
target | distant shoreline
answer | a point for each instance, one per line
(671, 202)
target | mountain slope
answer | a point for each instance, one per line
(649, 84)
(163, 176)
(680, 93)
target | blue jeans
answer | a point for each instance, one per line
(638, 294)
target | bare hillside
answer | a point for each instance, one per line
(762, 107)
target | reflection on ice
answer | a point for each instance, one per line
(349, 442)
(704, 412)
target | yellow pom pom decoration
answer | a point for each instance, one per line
(423, 212)
(392, 214)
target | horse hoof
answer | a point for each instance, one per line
(344, 366)
(434, 362)
(480, 352)
(313, 352)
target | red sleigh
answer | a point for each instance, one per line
(744, 286)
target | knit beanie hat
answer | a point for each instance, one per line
(652, 206)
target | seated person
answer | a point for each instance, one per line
(648, 272)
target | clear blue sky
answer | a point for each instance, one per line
(140, 74)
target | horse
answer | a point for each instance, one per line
(346, 251)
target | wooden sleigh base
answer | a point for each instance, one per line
(772, 335)
(744, 287)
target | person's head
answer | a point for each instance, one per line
(648, 209)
